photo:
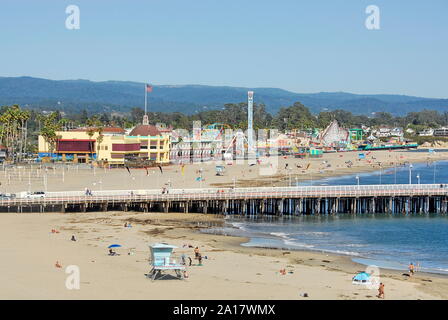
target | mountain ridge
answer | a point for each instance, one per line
(121, 96)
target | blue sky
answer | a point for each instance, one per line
(302, 46)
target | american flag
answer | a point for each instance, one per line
(148, 88)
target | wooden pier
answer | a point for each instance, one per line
(278, 201)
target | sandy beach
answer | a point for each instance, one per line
(29, 252)
(72, 177)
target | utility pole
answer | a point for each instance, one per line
(250, 125)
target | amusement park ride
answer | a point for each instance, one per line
(239, 141)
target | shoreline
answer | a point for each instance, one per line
(339, 262)
(329, 261)
(242, 239)
(335, 254)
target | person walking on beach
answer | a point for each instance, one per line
(381, 291)
(411, 269)
(196, 252)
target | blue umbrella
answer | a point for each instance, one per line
(114, 246)
(362, 277)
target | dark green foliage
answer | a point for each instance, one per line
(72, 96)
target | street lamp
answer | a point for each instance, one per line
(357, 178)
(418, 178)
(434, 172)
(410, 173)
(395, 175)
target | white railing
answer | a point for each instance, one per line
(230, 193)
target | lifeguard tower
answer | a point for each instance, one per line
(220, 170)
(161, 261)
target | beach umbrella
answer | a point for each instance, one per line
(114, 246)
(361, 278)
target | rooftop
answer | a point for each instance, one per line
(105, 129)
(145, 130)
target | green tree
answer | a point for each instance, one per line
(296, 116)
(50, 125)
(13, 131)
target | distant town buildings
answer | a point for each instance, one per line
(160, 144)
(426, 132)
(439, 132)
(385, 132)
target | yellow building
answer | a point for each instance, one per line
(145, 142)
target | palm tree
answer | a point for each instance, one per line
(23, 117)
(13, 131)
(90, 132)
(99, 139)
(95, 125)
(48, 131)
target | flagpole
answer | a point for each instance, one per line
(146, 94)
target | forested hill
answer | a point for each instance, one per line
(74, 95)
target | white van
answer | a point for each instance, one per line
(34, 195)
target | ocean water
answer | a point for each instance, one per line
(424, 172)
(384, 240)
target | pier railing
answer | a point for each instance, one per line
(156, 195)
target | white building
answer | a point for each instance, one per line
(426, 133)
(441, 132)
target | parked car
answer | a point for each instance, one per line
(35, 194)
(7, 196)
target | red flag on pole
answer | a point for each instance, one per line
(148, 88)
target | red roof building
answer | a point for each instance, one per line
(145, 130)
